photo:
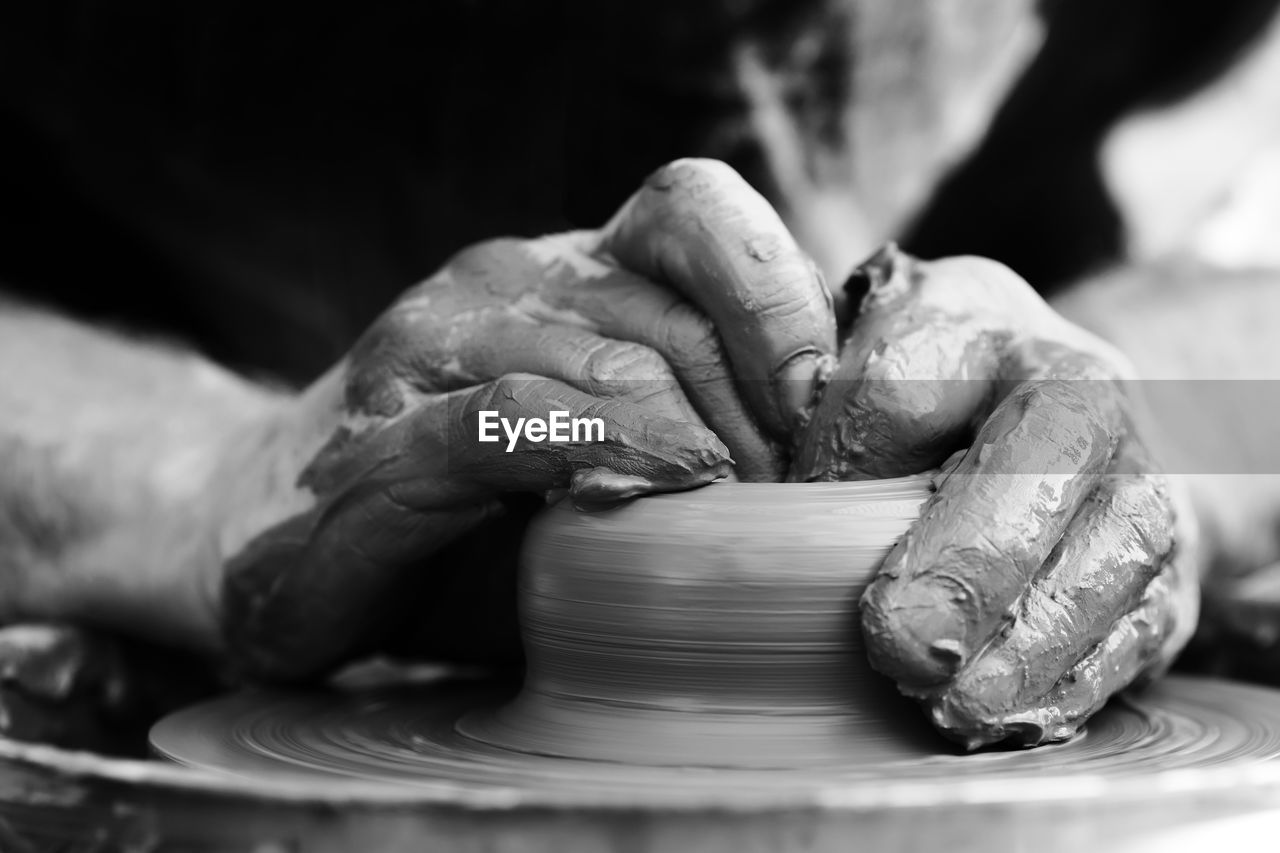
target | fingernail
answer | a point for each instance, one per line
(797, 381)
(603, 488)
(915, 634)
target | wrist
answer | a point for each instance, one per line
(258, 486)
(142, 499)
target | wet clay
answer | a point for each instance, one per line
(717, 627)
(1182, 735)
(702, 651)
(1045, 574)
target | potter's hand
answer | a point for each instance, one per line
(1051, 568)
(690, 324)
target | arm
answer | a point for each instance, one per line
(148, 491)
(113, 461)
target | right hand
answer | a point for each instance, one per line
(691, 325)
(1054, 564)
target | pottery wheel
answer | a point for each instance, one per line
(409, 738)
(702, 649)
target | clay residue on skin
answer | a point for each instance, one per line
(1019, 571)
(975, 550)
(636, 445)
(906, 388)
(595, 488)
(562, 307)
(697, 226)
(389, 493)
(626, 307)
(1099, 572)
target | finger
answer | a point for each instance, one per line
(699, 227)
(301, 597)
(914, 380)
(953, 580)
(458, 614)
(435, 458)
(508, 343)
(1098, 573)
(601, 367)
(624, 306)
(457, 333)
(1127, 653)
(632, 452)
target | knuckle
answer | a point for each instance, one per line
(787, 292)
(1144, 495)
(983, 275)
(618, 362)
(1072, 408)
(910, 412)
(580, 242)
(692, 173)
(485, 252)
(392, 331)
(968, 286)
(502, 266)
(690, 339)
(512, 392)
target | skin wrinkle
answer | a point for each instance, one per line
(700, 353)
(552, 276)
(704, 278)
(888, 357)
(1121, 658)
(352, 466)
(1052, 440)
(979, 562)
(359, 457)
(1070, 614)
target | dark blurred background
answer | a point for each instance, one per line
(262, 179)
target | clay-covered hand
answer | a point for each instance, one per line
(1052, 566)
(691, 325)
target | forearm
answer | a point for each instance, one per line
(115, 460)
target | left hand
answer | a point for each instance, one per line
(1052, 567)
(371, 515)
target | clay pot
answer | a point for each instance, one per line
(717, 627)
(711, 636)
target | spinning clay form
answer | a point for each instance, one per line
(701, 650)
